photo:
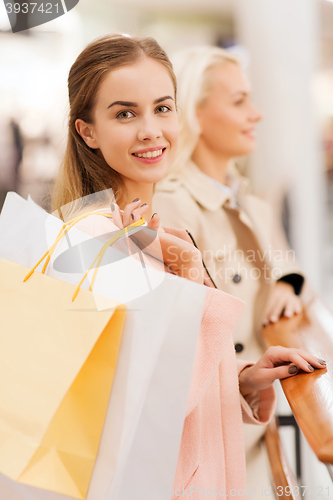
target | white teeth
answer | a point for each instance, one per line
(150, 154)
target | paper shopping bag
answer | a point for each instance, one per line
(144, 421)
(57, 364)
(27, 232)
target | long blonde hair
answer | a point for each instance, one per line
(191, 66)
(84, 171)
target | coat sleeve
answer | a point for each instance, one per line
(258, 407)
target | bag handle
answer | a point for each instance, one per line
(64, 230)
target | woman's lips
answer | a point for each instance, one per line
(150, 156)
(250, 133)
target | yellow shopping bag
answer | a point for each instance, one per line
(57, 363)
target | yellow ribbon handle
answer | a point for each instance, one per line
(64, 230)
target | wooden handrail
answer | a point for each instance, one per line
(310, 395)
(283, 477)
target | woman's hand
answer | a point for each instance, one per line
(282, 301)
(132, 213)
(179, 254)
(277, 363)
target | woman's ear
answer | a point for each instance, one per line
(86, 131)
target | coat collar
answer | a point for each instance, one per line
(211, 198)
(206, 193)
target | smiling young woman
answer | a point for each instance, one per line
(123, 126)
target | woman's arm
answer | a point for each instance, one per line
(277, 363)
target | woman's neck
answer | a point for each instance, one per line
(143, 191)
(210, 162)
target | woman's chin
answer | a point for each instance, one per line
(155, 175)
(246, 149)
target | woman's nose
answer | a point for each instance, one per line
(149, 130)
(256, 115)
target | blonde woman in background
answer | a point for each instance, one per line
(204, 194)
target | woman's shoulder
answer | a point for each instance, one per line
(176, 206)
(173, 193)
(170, 184)
(257, 205)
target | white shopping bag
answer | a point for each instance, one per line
(143, 427)
(23, 222)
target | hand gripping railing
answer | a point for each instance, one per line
(310, 395)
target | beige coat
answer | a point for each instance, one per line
(234, 236)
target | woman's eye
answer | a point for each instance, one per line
(125, 114)
(240, 102)
(163, 109)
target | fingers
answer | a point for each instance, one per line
(305, 361)
(282, 372)
(137, 213)
(132, 212)
(154, 222)
(116, 216)
(282, 301)
(274, 296)
(292, 306)
(275, 311)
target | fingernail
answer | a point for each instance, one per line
(143, 205)
(322, 361)
(153, 215)
(136, 199)
(112, 207)
(287, 314)
(132, 216)
(273, 319)
(292, 369)
(310, 367)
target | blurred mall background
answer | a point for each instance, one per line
(287, 48)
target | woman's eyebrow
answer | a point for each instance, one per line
(241, 92)
(131, 104)
(161, 99)
(124, 103)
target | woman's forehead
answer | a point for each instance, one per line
(144, 79)
(227, 77)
